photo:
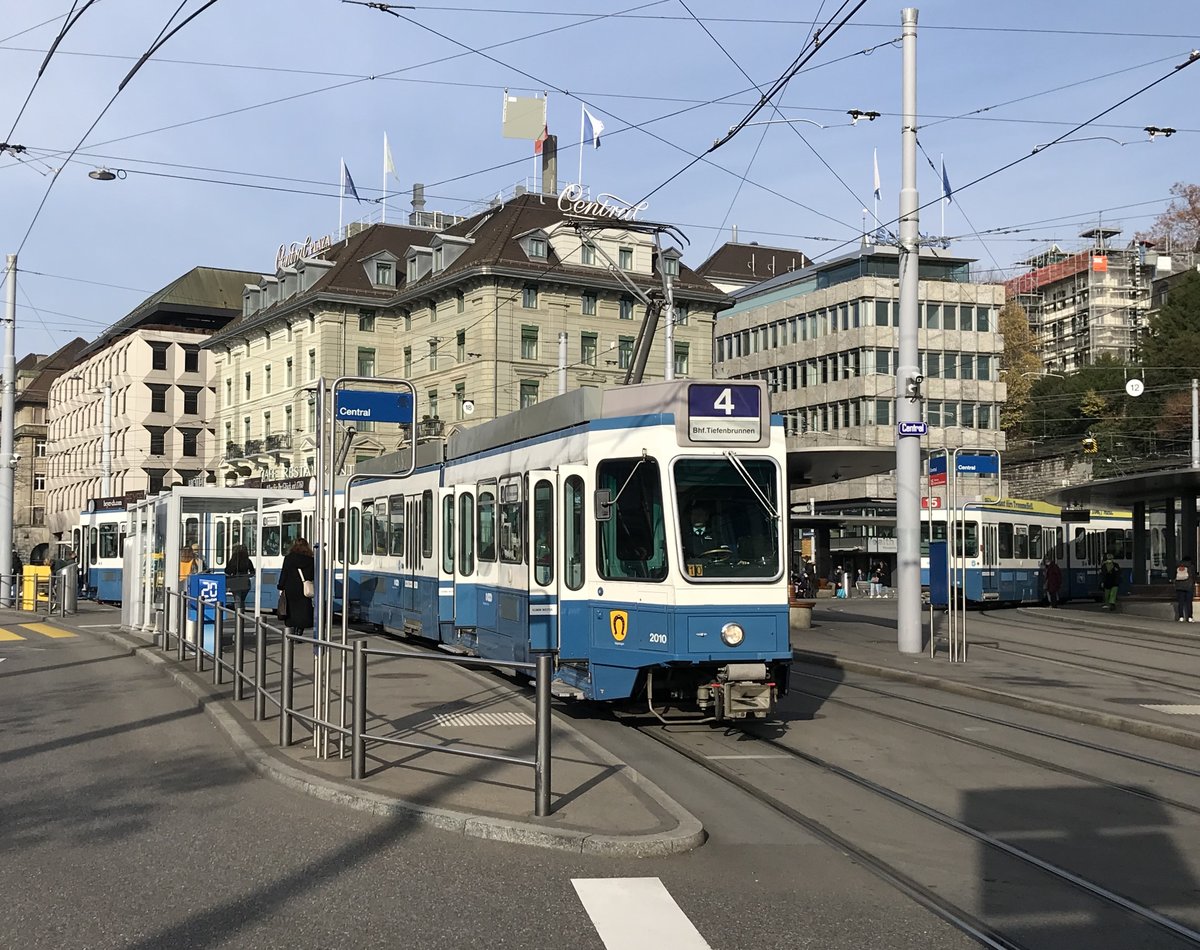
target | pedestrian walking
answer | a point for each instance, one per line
(1185, 589)
(296, 579)
(239, 573)
(1052, 581)
(877, 581)
(1110, 581)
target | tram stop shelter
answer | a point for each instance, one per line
(209, 519)
(1163, 504)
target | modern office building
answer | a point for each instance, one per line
(825, 339)
(136, 411)
(472, 311)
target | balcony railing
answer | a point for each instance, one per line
(253, 447)
(280, 441)
(233, 450)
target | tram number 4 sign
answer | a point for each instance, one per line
(724, 413)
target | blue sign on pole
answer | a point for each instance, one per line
(210, 590)
(357, 405)
(977, 464)
(937, 465)
(912, 428)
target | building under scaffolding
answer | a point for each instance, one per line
(1088, 304)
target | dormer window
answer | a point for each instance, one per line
(384, 274)
(535, 244)
(537, 247)
(625, 258)
(670, 266)
(413, 269)
(438, 259)
(588, 253)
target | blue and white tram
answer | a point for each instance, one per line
(569, 527)
(99, 545)
(1003, 543)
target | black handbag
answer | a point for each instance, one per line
(281, 607)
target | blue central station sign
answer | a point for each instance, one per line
(357, 405)
(912, 428)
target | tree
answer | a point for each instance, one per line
(1019, 363)
(1179, 226)
(1172, 343)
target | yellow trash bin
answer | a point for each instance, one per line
(35, 586)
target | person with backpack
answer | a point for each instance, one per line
(1185, 589)
(1110, 581)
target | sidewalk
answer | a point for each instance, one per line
(599, 804)
(861, 638)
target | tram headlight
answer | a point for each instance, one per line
(732, 634)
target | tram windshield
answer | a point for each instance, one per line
(728, 517)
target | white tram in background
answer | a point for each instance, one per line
(1003, 543)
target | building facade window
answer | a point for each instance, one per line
(460, 302)
(191, 402)
(625, 258)
(626, 308)
(683, 314)
(267, 380)
(383, 273)
(537, 247)
(158, 441)
(39, 482)
(681, 359)
(587, 348)
(289, 380)
(191, 443)
(246, 385)
(266, 425)
(431, 400)
(433, 347)
(158, 398)
(587, 304)
(460, 345)
(312, 364)
(625, 352)
(287, 420)
(191, 359)
(529, 393)
(588, 253)
(366, 361)
(460, 396)
(529, 343)
(229, 392)
(39, 449)
(159, 359)
(246, 429)
(670, 266)
(529, 296)
(407, 361)
(366, 318)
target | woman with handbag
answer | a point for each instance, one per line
(239, 573)
(296, 579)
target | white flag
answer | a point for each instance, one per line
(389, 167)
(877, 185)
(592, 129)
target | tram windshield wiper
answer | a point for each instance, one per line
(752, 484)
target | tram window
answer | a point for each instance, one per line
(511, 546)
(381, 529)
(487, 523)
(368, 528)
(93, 545)
(1035, 541)
(108, 541)
(573, 532)
(191, 531)
(1080, 545)
(725, 527)
(1020, 541)
(1006, 540)
(121, 542)
(1115, 543)
(235, 532)
(967, 539)
(270, 537)
(353, 532)
(341, 536)
(219, 555)
(939, 534)
(250, 534)
(632, 544)
(427, 524)
(396, 524)
(466, 538)
(448, 535)
(291, 529)
(543, 532)
(76, 546)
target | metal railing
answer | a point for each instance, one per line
(48, 595)
(186, 619)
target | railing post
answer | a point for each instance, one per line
(163, 638)
(541, 769)
(239, 633)
(358, 716)
(260, 670)
(285, 693)
(198, 643)
(180, 622)
(218, 629)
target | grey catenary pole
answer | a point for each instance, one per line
(8, 400)
(908, 374)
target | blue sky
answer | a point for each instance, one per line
(443, 122)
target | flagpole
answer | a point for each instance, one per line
(943, 201)
(581, 146)
(383, 205)
(341, 197)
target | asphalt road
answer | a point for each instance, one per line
(127, 821)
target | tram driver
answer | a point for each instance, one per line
(703, 538)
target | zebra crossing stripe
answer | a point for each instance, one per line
(54, 633)
(483, 719)
(7, 635)
(637, 913)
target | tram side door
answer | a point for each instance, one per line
(545, 541)
(989, 557)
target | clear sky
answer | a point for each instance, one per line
(229, 138)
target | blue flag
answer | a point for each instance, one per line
(348, 189)
(946, 189)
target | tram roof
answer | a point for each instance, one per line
(1130, 489)
(207, 500)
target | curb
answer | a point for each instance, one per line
(1098, 624)
(263, 760)
(1092, 717)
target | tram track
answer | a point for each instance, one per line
(927, 896)
(1172, 645)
